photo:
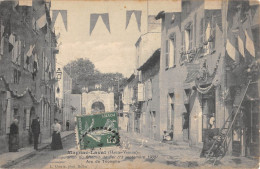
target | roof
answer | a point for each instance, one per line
(131, 77)
(160, 15)
(154, 58)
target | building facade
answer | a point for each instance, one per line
(63, 111)
(208, 69)
(205, 59)
(27, 69)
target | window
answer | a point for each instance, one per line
(172, 52)
(210, 34)
(1, 42)
(167, 53)
(202, 37)
(24, 119)
(16, 75)
(188, 35)
(170, 114)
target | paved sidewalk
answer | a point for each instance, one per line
(182, 155)
(10, 158)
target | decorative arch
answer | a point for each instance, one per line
(93, 99)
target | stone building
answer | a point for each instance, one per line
(130, 104)
(208, 69)
(27, 69)
(63, 111)
(207, 52)
(149, 97)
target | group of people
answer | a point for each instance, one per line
(56, 143)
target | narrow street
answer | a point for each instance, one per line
(133, 153)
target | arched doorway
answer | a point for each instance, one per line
(97, 107)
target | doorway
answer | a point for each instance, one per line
(32, 116)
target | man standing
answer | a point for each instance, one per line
(36, 131)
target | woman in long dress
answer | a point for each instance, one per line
(14, 137)
(56, 143)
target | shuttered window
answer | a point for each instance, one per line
(167, 53)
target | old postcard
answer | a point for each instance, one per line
(129, 84)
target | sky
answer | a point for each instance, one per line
(110, 52)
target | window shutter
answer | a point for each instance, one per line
(167, 53)
(191, 37)
(202, 30)
(183, 40)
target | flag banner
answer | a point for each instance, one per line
(44, 29)
(249, 43)
(29, 53)
(11, 42)
(64, 18)
(94, 19)
(25, 2)
(105, 18)
(41, 22)
(54, 17)
(97, 130)
(63, 13)
(230, 46)
(128, 16)
(241, 42)
(138, 15)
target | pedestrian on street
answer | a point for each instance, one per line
(36, 130)
(56, 143)
(14, 137)
(68, 125)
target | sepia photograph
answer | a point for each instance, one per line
(129, 84)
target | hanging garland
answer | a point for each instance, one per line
(14, 94)
(214, 81)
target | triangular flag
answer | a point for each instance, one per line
(41, 22)
(138, 15)
(230, 47)
(54, 17)
(64, 18)
(241, 41)
(128, 16)
(25, 2)
(249, 36)
(11, 42)
(44, 29)
(93, 21)
(249, 43)
(29, 53)
(105, 18)
(94, 18)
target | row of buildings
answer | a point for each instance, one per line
(194, 64)
(29, 82)
(27, 69)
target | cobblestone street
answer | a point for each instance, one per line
(133, 153)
